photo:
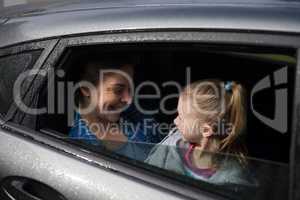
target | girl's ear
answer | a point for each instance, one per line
(85, 91)
(207, 130)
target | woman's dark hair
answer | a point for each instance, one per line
(88, 67)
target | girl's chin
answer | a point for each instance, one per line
(184, 136)
(189, 139)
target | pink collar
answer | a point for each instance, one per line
(205, 172)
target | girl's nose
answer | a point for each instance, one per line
(176, 121)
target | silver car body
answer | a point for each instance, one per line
(76, 173)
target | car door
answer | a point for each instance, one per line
(43, 163)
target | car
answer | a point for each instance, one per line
(254, 42)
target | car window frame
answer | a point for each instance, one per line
(210, 37)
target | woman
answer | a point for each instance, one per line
(104, 93)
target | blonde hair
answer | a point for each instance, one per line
(215, 102)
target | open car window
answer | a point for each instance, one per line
(151, 139)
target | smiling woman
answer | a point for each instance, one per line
(101, 102)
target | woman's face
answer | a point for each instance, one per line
(113, 94)
(187, 121)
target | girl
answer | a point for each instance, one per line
(206, 143)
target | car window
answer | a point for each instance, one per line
(10, 68)
(217, 119)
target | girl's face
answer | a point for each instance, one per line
(187, 121)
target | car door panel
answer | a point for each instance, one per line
(71, 177)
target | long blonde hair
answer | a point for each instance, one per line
(217, 102)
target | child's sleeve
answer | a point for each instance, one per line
(158, 155)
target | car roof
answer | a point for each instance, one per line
(54, 18)
(48, 6)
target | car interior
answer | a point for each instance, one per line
(168, 62)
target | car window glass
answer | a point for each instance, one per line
(10, 67)
(235, 142)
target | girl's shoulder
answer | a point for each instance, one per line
(165, 154)
(232, 171)
(172, 139)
